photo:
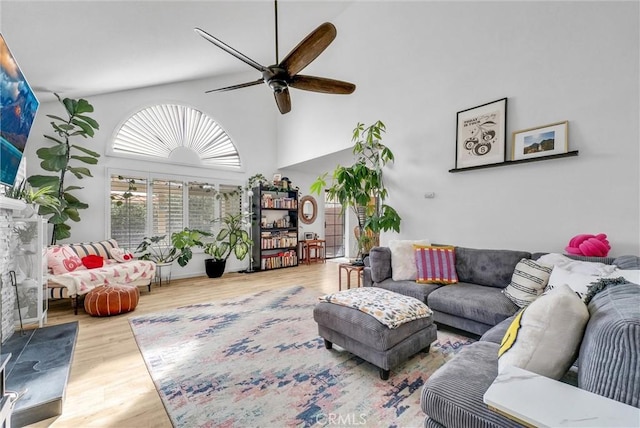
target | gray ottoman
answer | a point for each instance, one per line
(363, 335)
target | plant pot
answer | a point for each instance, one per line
(214, 268)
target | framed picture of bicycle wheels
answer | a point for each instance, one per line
(540, 141)
(481, 134)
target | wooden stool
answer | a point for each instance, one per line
(315, 245)
(348, 267)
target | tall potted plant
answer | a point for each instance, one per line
(232, 238)
(60, 158)
(360, 187)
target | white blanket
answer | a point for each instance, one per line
(391, 309)
(80, 282)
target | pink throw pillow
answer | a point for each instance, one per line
(589, 245)
(63, 259)
(435, 265)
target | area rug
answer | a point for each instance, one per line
(258, 361)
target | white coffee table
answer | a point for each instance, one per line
(538, 401)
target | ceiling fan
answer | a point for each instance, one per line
(284, 74)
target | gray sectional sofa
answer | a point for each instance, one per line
(475, 304)
(608, 362)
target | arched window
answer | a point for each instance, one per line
(178, 133)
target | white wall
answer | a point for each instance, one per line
(415, 65)
(253, 132)
(418, 63)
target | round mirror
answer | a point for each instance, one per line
(308, 209)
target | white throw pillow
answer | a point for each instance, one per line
(578, 282)
(121, 255)
(528, 281)
(545, 336)
(403, 261)
(579, 266)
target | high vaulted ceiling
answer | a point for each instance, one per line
(81, 48)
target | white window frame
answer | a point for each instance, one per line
(150, 176)
(111, 152)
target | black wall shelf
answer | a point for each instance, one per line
(519, 161)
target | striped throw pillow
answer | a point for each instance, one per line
(435, 265)
(528, 282)
(99, 248)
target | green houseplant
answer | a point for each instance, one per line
(360, 187)
(42, 197)
(232, 238)
(180, 250)
(60, 159)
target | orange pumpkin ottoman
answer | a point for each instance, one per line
(108, 300)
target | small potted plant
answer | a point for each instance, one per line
(34, 198)
(232, 238)
(180, 250)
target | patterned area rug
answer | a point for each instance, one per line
(258, 361)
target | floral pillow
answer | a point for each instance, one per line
(62, 259)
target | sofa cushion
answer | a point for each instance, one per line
(380, 261)
(544, 337)
(452, 396)
(409, 288)
(527, 282)
(403, 263)
(609, 358)
(492, 268)
(497, 332)
(627, 262)
(486, 305)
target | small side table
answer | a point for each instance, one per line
(348, 268)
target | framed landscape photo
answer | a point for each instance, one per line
(541, 141)
(481, 134)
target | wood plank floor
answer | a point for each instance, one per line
(109, 384)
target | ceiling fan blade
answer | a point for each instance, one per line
(321, 84)
(283, 99)
(225, 47)
(241, 85)
(309, 48)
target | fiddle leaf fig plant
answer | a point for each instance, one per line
(360, 187)
(62, 157)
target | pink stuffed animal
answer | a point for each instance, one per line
(589, 245)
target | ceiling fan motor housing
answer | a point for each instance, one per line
(276, 77)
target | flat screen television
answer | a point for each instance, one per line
(18, 107)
